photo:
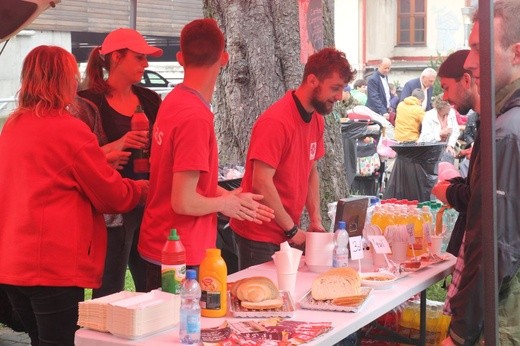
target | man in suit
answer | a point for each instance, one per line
(424, 82)
(378, 91)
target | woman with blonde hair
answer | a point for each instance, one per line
(122, 58)
(55, 186)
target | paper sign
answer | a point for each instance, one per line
(379, 243)
(356, 247)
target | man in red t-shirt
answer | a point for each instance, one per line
(286, 142)
(184, 160)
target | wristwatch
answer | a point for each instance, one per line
(292, 232)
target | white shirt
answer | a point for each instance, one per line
(431, 127)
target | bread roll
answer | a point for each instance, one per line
(255, 289)
(335, 283)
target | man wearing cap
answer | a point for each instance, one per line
(123, 57)
(378, 91)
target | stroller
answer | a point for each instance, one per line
(363, 166)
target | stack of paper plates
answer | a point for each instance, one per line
(93, 313)
(143, 315)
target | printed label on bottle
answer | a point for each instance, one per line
(192, 323)
(340, 261)
(211, 291)
(172, 277)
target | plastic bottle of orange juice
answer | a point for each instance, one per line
(213, 283)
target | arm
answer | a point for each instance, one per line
(313, 201)
(427, 131)
(407, 91)
(186, 200)
(263, 184)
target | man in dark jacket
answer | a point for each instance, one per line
(424, 82)
(465, 300)
(378, 91)
(461, 91)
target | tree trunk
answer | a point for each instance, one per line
(262, 38)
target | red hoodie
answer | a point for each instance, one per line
(55, 184)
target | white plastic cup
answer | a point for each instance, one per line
(378, 259)
(286, 282)
(399, 249)
(436, 244)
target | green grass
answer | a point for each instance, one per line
(129, 285)
(437, 291)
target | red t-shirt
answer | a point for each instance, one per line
(281, 139)
(183, 140)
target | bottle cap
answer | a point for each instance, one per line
(173, 234)
(342, 225)
(212, 252)
(191, 274)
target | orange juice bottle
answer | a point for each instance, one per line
(213, 284)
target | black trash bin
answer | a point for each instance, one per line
(415, 171)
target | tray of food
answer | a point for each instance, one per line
(338, 289)
(258, 297)
(423, 261)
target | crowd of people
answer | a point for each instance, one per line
(79, 214)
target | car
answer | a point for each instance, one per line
(156, 82)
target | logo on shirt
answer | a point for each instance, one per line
(158, 135)
(313, 151)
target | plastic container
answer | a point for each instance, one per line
(141, 157)
(213, 282)
(189, 322)
(173, 264)
(340, 254)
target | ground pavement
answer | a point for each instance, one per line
(8, 337)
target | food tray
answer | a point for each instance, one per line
(425, 261)
(307, 302)
(286, 310)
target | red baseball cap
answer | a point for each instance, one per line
(125, 38)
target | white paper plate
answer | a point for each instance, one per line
(377, 280)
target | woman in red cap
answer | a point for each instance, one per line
(55, 185)
(123, 57)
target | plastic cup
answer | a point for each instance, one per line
(436, 244)
(286, 282)
(378, 259)
(399, 249)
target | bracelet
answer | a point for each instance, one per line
(292, 232)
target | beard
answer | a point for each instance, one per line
(322, 107)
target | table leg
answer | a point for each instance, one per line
(422, 325)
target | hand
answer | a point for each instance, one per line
(386, 116)
(117, 159)
(466, 152)
(298, 239)
(439, 190)
(316, 227)
(131, 140)
(244, 206)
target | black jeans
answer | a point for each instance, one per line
(122, 253)
(251, 252)
(49, 314)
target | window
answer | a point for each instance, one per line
(411, 22)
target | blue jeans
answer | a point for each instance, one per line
(251, 252)
(49, 314)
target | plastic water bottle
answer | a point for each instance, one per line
(173, 264)
(141, 157)
(340, 255)
(189, 326)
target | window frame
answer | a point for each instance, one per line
(412, 30)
